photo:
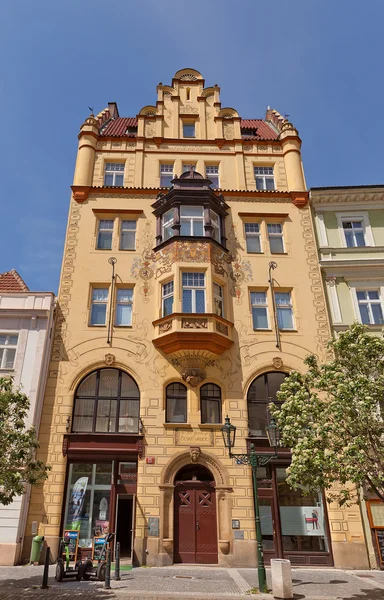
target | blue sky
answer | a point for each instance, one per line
(320, 61)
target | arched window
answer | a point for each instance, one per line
(262, 391)
(107, 401)
(210, 403)
(176, 403)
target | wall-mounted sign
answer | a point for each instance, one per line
(153, 526)
(235, 524)
(185, 437)
(239, 535)
(150, 460)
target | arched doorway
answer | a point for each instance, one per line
(195, 522)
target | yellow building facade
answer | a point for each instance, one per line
(190, 287)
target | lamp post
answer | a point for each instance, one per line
(254, 460)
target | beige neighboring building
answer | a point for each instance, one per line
(26, 327)
(190, 287)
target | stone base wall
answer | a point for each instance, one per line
(10, 554)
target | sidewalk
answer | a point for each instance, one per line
(191, 583)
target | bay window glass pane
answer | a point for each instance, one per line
(191, 211)
(168, 306)
(83, 415)
(109, 382)
(129, 388)
(98, 314)
(198, 228)
(187, 301)
(185, 228)
(106, 415)
(259, 317)
(200, 301)
(129, 416)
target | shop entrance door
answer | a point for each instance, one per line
(124, 524)
(195, 518)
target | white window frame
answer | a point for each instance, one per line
(93, 302)
(191, 220)
(364, 286)
(275, 235)
(166, 295)
(166, 169)
(111, 171)
(215, 174)
(268, 328)
(357, 216)
(128, 302)
(285, 307)
(269, 173)
(6, 346)
(167, 225)
(194, 288)
(101, 229)
(219, 297)
(249, 234)
(216, 225)
(122, 230)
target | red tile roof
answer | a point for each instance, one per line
(118, 127)
(10, 281)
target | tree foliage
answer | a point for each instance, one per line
(332, 418)
(18, 464)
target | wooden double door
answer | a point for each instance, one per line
(195, 527)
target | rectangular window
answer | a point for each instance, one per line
(167, 226)
(215, 222)
(264, 178)
(114, 174)
(192, 220)
(124, 301)
(128, 235)
(8, 346)
(104, 235)
(354, 233)
(188, 130)
(370, 307)
(167, 298)
(193, 292)
(252, 237)
(212, 173)
(218, 299)
(284, 310)
(166, 175)
(259, 307)
(275, 236)
(99, 306)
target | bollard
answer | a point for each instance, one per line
(44, 585)
(108, 569)
(281, 578)
(117, 562)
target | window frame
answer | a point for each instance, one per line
(124, 303)
(6, 346)
(218, 297)
(361, 286)
(114, 173)
(265, 401)
(189, 124)
(363, 216)
(251, 234)
(284, 307)
(93, 302)
(275, 236)
(206, 398)
(260, 291)
(127, 230)
(264, 176)
(176, 397)
(101, 230)
(214, 174)
(97, 397)
(193, 289)
(166, 173)
(166, 296)
(191, 220)
(167, 225)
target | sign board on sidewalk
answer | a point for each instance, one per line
(98, 548)
(72, 536)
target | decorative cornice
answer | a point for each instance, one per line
(299, 199)
(80, 192)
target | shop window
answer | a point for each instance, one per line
(176, 403)
(107, 401)
(210, 403)
(262, 391)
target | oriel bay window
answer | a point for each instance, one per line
(210, 403)
(193, 296)
(176, 403)
(167, 225)
(107, 401)
(218, 299)
(262, 391)
(192, 220)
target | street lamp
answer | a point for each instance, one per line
(254, 460)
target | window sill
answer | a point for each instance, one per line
(210, 425)
(279, 253)
(127, 249)
(267, 330)
(123, 326)
(288, 330)
(97, 326)
(177, 425)
(5, 370)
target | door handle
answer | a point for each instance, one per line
(197, 526)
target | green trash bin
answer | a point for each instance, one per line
(37, 546)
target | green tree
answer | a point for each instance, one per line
(332, 418)
(18, 464)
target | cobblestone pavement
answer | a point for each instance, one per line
(191, 583)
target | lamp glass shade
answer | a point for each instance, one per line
(273, 434)
(229, 433)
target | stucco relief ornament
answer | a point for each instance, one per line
(109, 359)
(277, 362)
(195, 453)
(193, 376)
